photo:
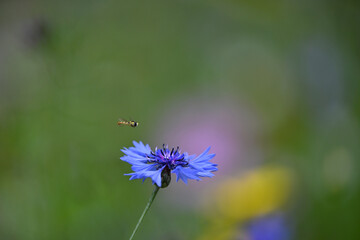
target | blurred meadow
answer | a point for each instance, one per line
(272, 86)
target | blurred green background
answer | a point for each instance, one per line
(265, 83)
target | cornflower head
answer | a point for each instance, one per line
(160, 163)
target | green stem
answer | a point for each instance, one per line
(156, 189)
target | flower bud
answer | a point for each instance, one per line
(165, 177)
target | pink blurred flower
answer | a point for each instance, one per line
(228, 128)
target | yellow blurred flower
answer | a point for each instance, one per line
(239, 199)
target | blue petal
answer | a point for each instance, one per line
(202, 164)
(133, 160)
(155, 175)
(189, 157)
(200, 157)
(185, 173)
(144, 167)
(205, 174)
(130, 153)
(137, 153)
(142, 148)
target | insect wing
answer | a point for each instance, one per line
(122, 122)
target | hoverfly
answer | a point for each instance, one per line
(123, 122)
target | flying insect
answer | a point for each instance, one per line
(123, 122)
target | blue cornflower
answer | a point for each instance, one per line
(159, 164)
